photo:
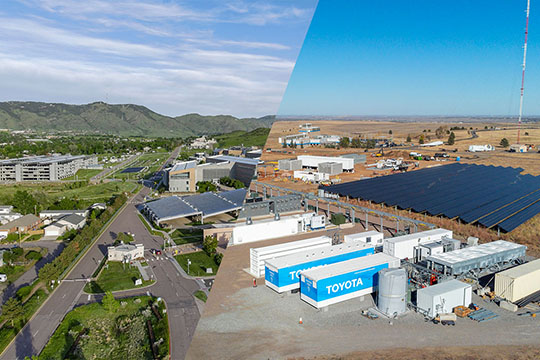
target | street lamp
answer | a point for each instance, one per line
(188, 263)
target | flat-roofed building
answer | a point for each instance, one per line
(184, 176)
(44, 168)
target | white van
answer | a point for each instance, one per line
(3, 277)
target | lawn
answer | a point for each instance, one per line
(122, 334)
(152, 161)
(89, 194)
(201, 295)
(147, 225)
(199, 262)
(186, 236)
(256, 137)
(84, 174)
(114, 277)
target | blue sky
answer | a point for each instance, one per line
(417, 57)
(176, 57)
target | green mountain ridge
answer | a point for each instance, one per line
(121, 119)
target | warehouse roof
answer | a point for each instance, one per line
(236, 159)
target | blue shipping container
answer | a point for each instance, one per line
(283, 274)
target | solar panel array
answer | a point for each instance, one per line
(207, 204)
(488, 195)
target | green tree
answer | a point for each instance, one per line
(452, 138)
(344, 142)
(24, 202)
(210, 244)
(109, 302)
(409, 138)
(504, 142)
(12, 310)
(421, 140)
(48, 272)
(390, 132)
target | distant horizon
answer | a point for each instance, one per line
(453, 58)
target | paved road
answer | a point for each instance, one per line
(107, 171)
(174, 289)
(54, 249)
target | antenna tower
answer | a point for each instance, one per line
(523, 70)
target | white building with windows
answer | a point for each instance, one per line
(125, 252)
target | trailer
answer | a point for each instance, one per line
(258, 256)
(282, 273)
(370, 237)
(345, 280)
(403, 247)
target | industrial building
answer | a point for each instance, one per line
(311, 176)
(473, 259)
(331, 168)
(243, 169)
(313, 162)
(345, 280)
(198, 206)
(283, 273)
(184, 176)
(44, 168)
(273, 205)
(290, 164)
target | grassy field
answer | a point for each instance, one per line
(186, 236)
(256, 137)
(89, 194)
(199, 262)
(84, 174)
(152, 162)
(114, 277)
(148, 227)
(122, 334)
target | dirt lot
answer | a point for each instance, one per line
(456, 353)
(245, 322)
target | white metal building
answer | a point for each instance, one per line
(444, 297)
(125, 252)
(311, 161)
(403, 247)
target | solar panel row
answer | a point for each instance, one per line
(489, 195)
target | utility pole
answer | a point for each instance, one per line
(523, 69)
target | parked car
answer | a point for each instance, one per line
(3, 277)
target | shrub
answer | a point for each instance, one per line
(23, 292)
(338, 219)
(218, 257)
(33, 255)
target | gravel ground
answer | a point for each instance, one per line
(260, 323)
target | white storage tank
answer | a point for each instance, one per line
(392, 291)
(516, 283)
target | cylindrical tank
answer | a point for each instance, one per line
(392, 291)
